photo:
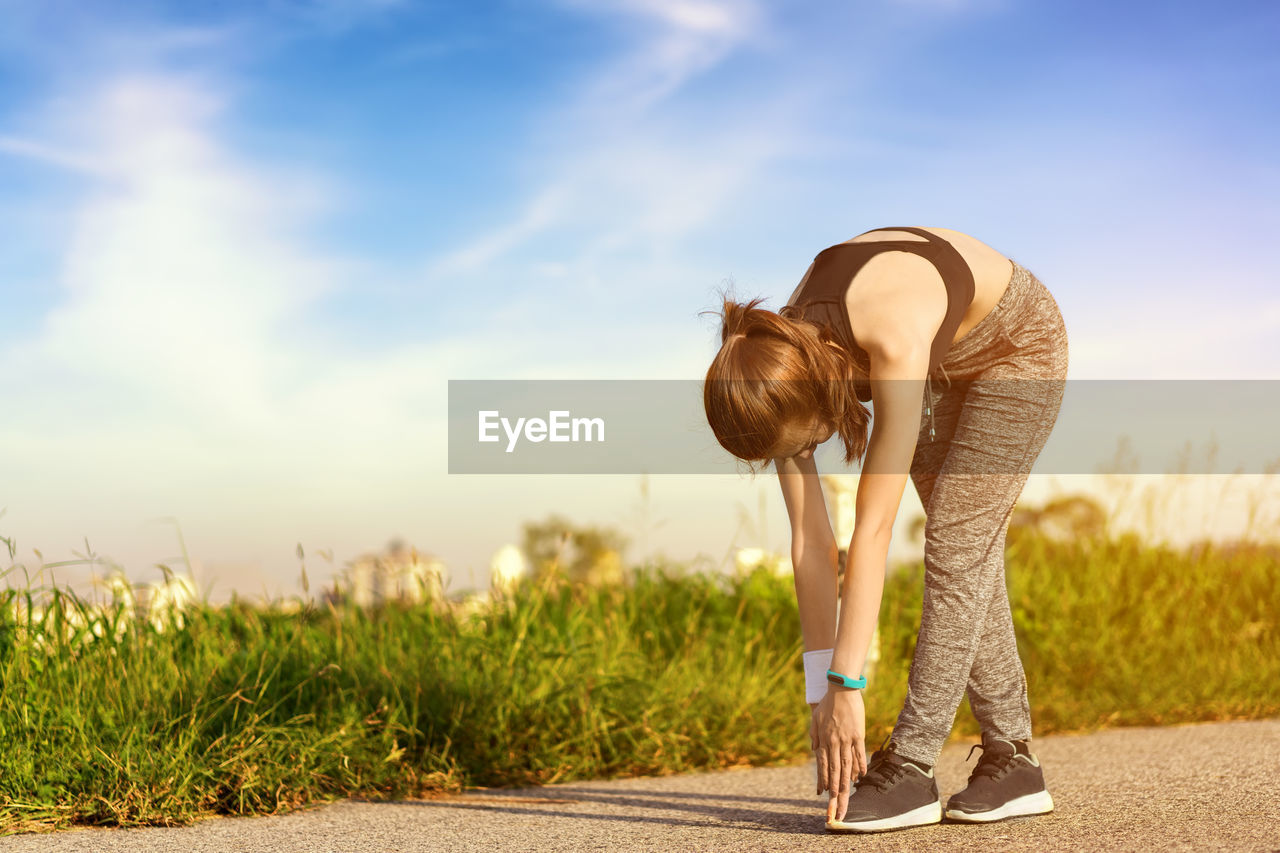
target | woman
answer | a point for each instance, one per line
(963, 354)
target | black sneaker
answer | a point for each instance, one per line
(1007, 782)
(894, 793)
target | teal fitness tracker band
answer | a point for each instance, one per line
(846, 681)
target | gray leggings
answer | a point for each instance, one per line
(994, 407)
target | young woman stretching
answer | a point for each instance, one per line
(963, 354)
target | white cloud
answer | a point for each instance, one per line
(70, 160)
(541, 213)
(685, 38)
(182, 263)
(183, 369)
(624, 176)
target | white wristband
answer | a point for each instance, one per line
(816, 664)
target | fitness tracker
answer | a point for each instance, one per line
(846, 681)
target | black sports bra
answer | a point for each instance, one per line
(822, 298)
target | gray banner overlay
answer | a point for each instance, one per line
(640, 426)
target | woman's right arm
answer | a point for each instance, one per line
(814, 553)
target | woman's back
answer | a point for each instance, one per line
(990, 269)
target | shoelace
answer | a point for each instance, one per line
(993, 764)
(881, 772)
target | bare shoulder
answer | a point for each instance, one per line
(966, 244)
(948, 234)
(898, 299)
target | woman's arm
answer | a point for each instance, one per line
(814, 553)
(895, 317)
(896, 391)
(838, 728)
(814, 556)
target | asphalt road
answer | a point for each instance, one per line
(1210, 786)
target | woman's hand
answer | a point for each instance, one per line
(836, 733)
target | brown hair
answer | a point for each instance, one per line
(773, 368)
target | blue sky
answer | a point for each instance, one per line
(249, 243)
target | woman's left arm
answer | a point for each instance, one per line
(897, 393)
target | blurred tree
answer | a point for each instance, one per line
(1065, 518)
(915, 530)
(587, 554)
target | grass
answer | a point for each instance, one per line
(1115, 632)
(112, 715)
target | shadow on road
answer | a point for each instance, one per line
(630, 808)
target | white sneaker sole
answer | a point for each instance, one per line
(1038, 803)
(922, 816)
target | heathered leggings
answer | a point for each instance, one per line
(991, 419)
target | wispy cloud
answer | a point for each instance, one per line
(71, 160)
(683, 39)
(334, 15)
(622, 173)
(88, 42)
(543, 211)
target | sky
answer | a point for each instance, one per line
(248, 243)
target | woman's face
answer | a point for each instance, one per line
(800, 438)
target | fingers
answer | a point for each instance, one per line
(834, 769)
(813, 745)
(828, 780)
(846, 773)
(860, 757)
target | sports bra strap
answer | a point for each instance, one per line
(920, 231)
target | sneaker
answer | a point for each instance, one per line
(1007, 782)
(894, 793)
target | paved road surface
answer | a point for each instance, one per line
(1213, 786)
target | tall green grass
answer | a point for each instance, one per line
(1113, 631)
(110, 717)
